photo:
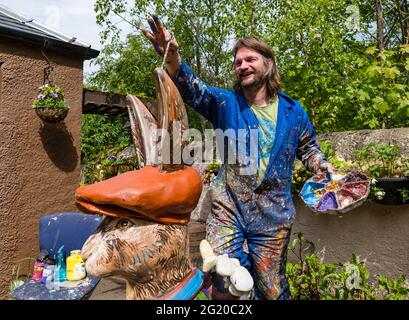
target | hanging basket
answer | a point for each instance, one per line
(51, 115)
(50, 104)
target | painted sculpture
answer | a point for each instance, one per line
(144, 235)
(336, 193)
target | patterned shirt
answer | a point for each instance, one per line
(267, 118)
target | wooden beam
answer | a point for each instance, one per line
(111, 104)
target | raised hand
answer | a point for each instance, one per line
(160, 37)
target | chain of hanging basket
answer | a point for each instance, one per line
(48, 70)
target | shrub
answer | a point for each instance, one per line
(312, 279)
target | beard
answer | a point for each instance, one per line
(257, 81)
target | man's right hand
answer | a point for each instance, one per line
(160, 38)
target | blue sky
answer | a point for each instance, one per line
(72, 17)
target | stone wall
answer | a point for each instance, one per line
(347, 141)
(39, 164)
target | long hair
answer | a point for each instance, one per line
(273, 78)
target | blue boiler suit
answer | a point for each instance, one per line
(243, 211)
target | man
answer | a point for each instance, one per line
(255, 209)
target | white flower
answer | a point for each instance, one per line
(380, 193)
(373, 181)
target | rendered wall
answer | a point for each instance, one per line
(39, 164)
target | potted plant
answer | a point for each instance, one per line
(384, 163)
(50, 104)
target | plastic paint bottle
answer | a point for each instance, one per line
(38, 270)
(49, 284)
(75, 266)
(61, 267)
(55, 284)
(39, 266)
(48, 270)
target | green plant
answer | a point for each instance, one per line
(50, 96)
(311, 279)
(404, 193)
(102, 138)
(21, 272)
(393, 289)
(327, 148)
(382, 160)
(376, 192)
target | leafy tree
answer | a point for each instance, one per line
(126, 68)
(99, 136)
(324, 49)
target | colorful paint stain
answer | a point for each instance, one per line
(346, 198)
(336, 194)
(312, 192)
(359, 188)
(328, 201)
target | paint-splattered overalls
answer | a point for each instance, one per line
(262, 215)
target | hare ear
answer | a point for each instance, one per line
(143, 127)
(172, 116)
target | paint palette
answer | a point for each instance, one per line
(335, 193)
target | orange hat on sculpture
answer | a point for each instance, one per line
(147, 193)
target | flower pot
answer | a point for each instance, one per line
(390, 186)
(51, 115)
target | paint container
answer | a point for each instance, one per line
(75, 266)
(48, 270)
(338, 195)
(39, 265)
(355, 176)
(346, 198)
(49, 283)
(358, 188)
(328, 201)
(55, 284)
(38, 270)
(60, 271)
(311, 193)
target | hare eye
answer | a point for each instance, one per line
(124, 224)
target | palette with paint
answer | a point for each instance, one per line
(336, 193)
